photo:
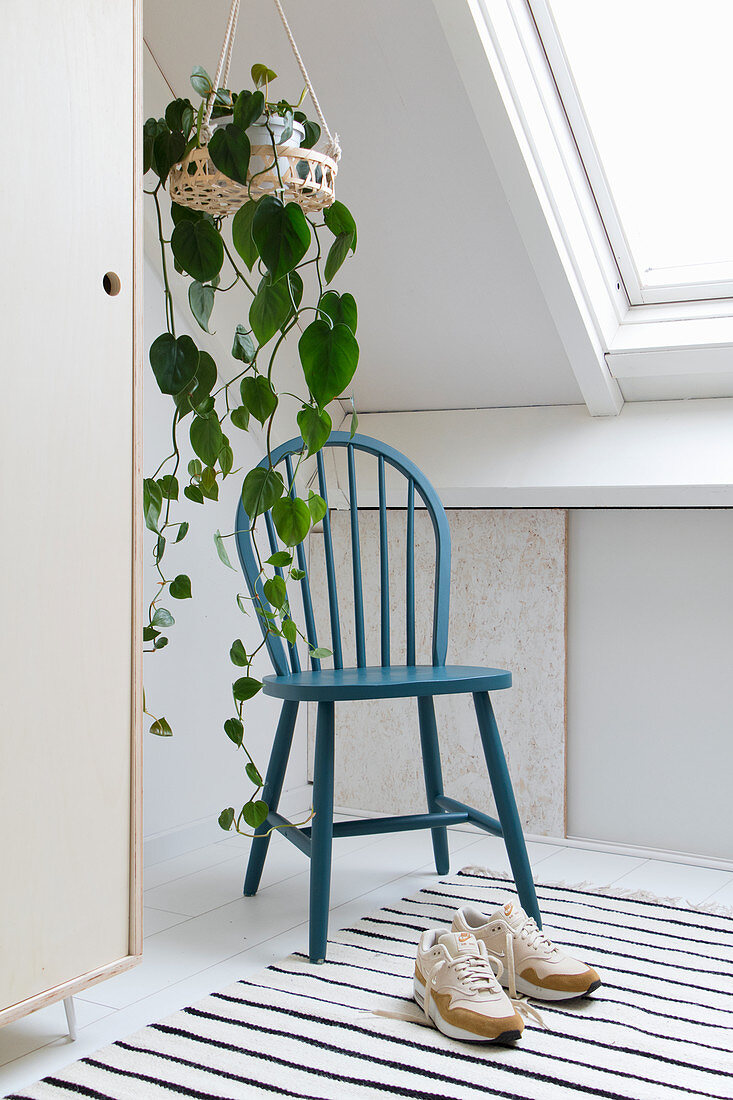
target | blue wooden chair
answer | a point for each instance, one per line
(326, 687)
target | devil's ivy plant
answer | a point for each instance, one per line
(281, 264)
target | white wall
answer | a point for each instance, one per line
(650, 654)
(190, 777)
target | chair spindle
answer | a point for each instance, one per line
(356, 561)
(305, 587)
(274, 547)
(333, 602)
(383, 564)
(410, 581)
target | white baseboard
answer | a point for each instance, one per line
(298, 800)
(690, 858)
(198, 834)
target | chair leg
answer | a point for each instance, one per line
(433, 778)
(501, 785)
(271, 794)
(321, 833)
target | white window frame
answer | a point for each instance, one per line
(654, 288)
(620, 344)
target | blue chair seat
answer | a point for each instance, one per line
(393, 682)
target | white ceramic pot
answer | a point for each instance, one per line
(260, 135)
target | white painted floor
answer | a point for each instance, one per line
(202, 935)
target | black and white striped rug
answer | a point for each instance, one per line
(660, 1027)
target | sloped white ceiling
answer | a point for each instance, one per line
(451, 313)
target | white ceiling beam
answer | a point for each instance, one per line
(565, 274)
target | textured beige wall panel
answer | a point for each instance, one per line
(508, 598)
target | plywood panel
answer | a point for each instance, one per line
(507, 611)
(66, 454)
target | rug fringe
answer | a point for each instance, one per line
(713, 908)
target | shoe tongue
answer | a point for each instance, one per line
(512, 913)
(459, 943)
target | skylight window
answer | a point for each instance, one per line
(647, 86)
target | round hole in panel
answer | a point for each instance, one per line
(111, 283)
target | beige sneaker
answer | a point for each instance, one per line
(533, 964)
(456, 986)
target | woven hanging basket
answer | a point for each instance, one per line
(306, 177)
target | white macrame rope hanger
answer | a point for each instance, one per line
(222, 69)
(333, 147)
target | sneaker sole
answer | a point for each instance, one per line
(454, 1032)
(539, 993)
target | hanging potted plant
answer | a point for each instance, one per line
(289, 238)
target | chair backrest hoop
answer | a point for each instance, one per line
(416, 483)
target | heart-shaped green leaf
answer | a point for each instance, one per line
(206, 438)
(226, 817)
(152, 128)
(201, 301)
(337, 253)
(205, 378)
(240, 418)
(209, 484)
(316, 506)
(292, 519)
(275, 591)
(282, 235)
(174, 362)
(168, 148)
(188, 214)
(329, 357)
(290, 631)
(245, 688)
(315, 427)
(182, 532)
(270, 309)
(198, 248)
(242, 233)
(221, 549)
(254, 813)
(262, 75)
(152, 503)
(312, 134)
(238, 653)
(339, 220)
(262, 487)
(234, 730)
(248, 108)
(341, 308)
(180, 587)
(280, 558)
(226, 458)
(163, 617)
(169, 486)
(244, 347)
(160, 727)
(192, 492)
(252, 774)
(259, 397)
(179, 115)
(229, 150)
(202, 84)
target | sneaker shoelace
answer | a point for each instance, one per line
(535, 937)
(476, 971)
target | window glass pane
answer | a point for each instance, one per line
(655, 78)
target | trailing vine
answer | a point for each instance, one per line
(276, 244)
